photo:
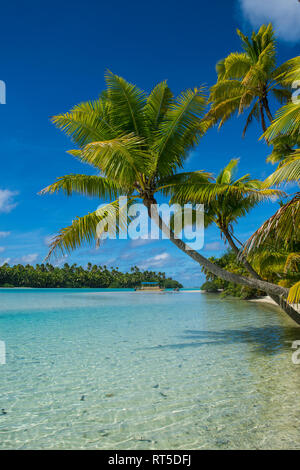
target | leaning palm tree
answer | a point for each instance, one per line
(246, 79)
(225, 209)
(285, 223)
(137, 143)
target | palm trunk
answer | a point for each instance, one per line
(288, 309)
(269, 288)
(267, 108)
(263, 121)
(237, 252)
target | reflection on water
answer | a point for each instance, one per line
(265, 340)
(125, 371)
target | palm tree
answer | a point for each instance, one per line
(284, 132)
(245, 79)
(287, 121)
(138, 143)
(282, 229)
(226, 208)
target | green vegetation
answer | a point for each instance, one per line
(46, 275)
(281, 268)
(137, 144)
(247, 79)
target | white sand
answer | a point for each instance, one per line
(268, 300)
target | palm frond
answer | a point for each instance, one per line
(225, 175)
(87, 122)
(288, 72)
(282, 95)
(90, 227)
(286, 122)
(292, 263)
(88, 185)
(204, 193)
(236, 65)
(121, 159)
(157, 105)
(268, 261)
(288, 171)
(283, 225)
(294, 294)
(180, 130)
(247, 77)
(225, 98)
(127, 102)
(168, 183)
(282, 147)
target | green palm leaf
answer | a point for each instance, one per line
(157, 105)
(236, 65)
(87, 122)
(283, 225)
(90, 227)
(121, 159)
(246, 78)
(88, 185)
(288, 171)
(287, 122)
(294, 294)
(179, 131)
(127, 102)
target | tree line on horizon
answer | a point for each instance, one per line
(74, 276)
(137, 144)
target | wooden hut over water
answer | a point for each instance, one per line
(150, 286)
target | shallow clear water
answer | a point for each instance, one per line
(145, 371)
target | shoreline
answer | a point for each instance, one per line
(267, 299)
(103, 289)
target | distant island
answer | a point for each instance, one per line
(74, 276)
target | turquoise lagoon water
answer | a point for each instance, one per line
(107, 370)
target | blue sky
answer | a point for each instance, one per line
(54, 55)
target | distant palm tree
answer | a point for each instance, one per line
(245, 79)
(138, 143)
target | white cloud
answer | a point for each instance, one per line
(161, 257)
(7, 200)
(156, 261)
(29, 258)
(2, 249)
(4, 234)
(284, 14)
(4, 261)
